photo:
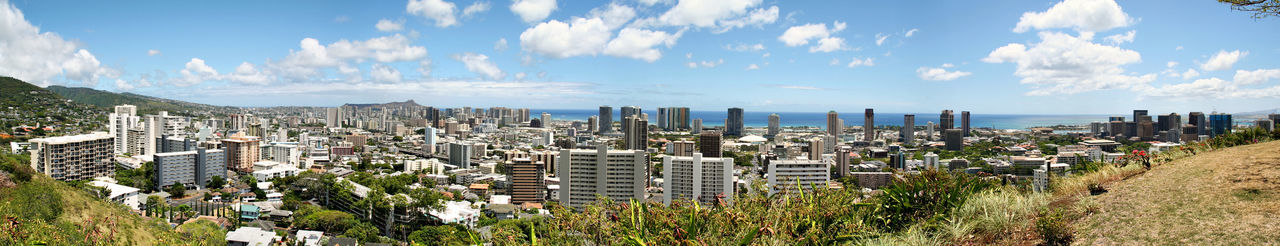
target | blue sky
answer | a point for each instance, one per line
(1029, 57)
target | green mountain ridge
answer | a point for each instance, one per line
(146, 104)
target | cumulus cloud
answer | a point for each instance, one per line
(1127, 37)
(1065, 64)
(533, 11)
(1081, 15)
(1246, 77)
(757, 18)
(639, 44)
(480, 64)
(440, 11)
(705, 64)
(475, 8)
(389, 25)
(864, 62)
(940, 74)
(614, 15)
(1190, 73)
(196, 72)
(803, 34)
(753, 66)
(153, 52)
(1223, 60)
(717, 14)
(501, 45)
(383, 73)
(249, 74)
(742, 47)
(313, 56)
(579, 37)
(829, 44)
(40, 57)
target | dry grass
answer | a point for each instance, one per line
(1229, 196)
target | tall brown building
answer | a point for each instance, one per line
(869, 125)
(241, 152)
(527, 184)
(833, 123)
(709, 144)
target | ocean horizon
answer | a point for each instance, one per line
(819, 119)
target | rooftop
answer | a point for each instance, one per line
(73, 138)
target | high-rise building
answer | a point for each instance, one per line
(628, 111)
(1138, 113)
(733, 124)
(697, 178)
(620, 175)
(546, 120)
(709, 144)
(241, 152)
(1264, 124)
(816, 146)
(946, 120)
(964, 122)
(774, 127)
(954, 139)
(908, 129)
(1275, 118)
(1146, 130)
(189, 167)
(73, 158)
(593, 124)
(869, 125)
(663, 118)
(429, 140)
(1198, 120)
(678, 118)
(460, 154)
(333, 118)
(527, 184)
(844, 157)
(1163, 123)
(681, 148)
(605, 120)
(928, 130)
(697, 126)
(833, 123)
(636, 134)
(1219, 123)
(120, 122)
(793, 174)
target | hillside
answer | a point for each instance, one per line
(1228, 197)
(408, 103)
(146, 104)
(24, 104)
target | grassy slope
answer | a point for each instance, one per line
(79, 208)
(1229, 196)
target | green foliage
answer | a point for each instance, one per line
(177, 190)
(1053, 228)
(216, 182)
(927, 197)
(146, 104)
(1246, 136)
(18, 166)
(451, 234)
(363, 232)
(141, 178)
(33, 200)
(314, 218)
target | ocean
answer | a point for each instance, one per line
(819, 119)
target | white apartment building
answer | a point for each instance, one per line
(697, 178)
(619, 175)
(794, 174)
(78, 157)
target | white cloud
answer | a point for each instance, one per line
(520, 76)
(557, 39)
(705, 64)
(196, 72)
(1245, 77)
(710, 13)
(753, 66)
(1178, 48)
(639, 44)
(38, 57)
(1065, 64)
(828, 44)
(501, 45)
(440, 11)
(533, 11)
(1171, 64)
(424, 68)
(880, 38)
(1223, 60)
(475, 8)
(614, 15)
(948, 65)
(940, 74)
(389, 25)
(742, 47)
(153, 52)
(911, 32)
(800, 35)
(1201, 88)
(867, 62)
(306, 63)
(480, 64)
(1190, 73)
(383, 73)
(758, 18)
(1127, 37)
(248, 74)
(1081, 15)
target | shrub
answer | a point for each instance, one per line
(997, 211)
(1053, 228)
(35, 200)
(927, 197)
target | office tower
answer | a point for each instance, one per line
(1197, 119)
(1131, 128)
(190, 167)
(1219, 123)
(908, 129)
(869, 125)
(774, 127)
(844, 155)
(333, 118)
(628, 111)
(429, 140)
(964, 122)
(72, 158)
(709, 144)
(1190, 133)
(636, 135)
(679, 118)
(120, 122)
(791, 175)
(620, 175)
(1146, 130)
(946, 120)
(1162, 122)
(1275, 118)
(954, 139)
(546, 120)
(928, 130)
(1138, 113)
(816, 146)
(1264, 124)
(833, 123)
(527, 184)
(733, 124)
(460, 154)
(593, 124)
(697, 126)
(697, 178)
(1117, 129)
(605, 120)
(1175, 122)
(663, 118)
(241, 152)
(1095, 128)
(681, 148)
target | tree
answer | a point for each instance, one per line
(1260, 8)
(177, 190)
(216, 182)
(204, 232)
(364, 232)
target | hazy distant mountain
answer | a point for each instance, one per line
(408, 103)
(1260, 112)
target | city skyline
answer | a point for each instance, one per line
(761, 56)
